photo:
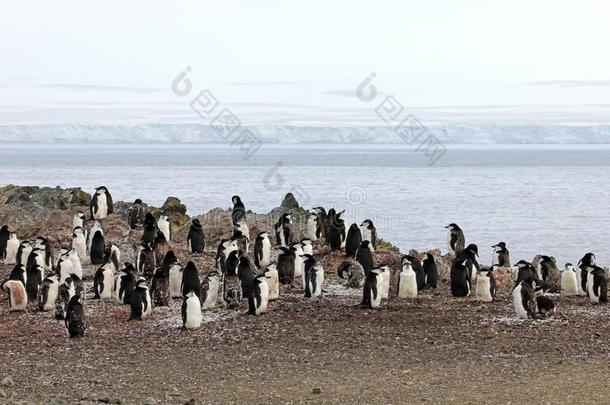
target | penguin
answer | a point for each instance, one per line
(320, 212)
(239, 211)
(12, 246)
(19, 274)
(17, 297)
(430, 270)
(371, 297)
(524, 299)
(23, 252)
(160, 246)
(69, 264)
(353, 272)
(4, 236)
(299, 265)
(241, 234)
(146, 262)
(307, 246)
(460, 279)
(500, 256)
(470, 254)
(195, 240)
(262, 251)
(169, 260)
(258, 300)
(103, 280)
(455, 239)
(79, 243)
(78, 221)
(486, 285)
(353, 241)
(44, 244)
(273, 282)
(209, 290)
(225, 247)
(136, 215)
(98, 245)
(569, 282)
(547, 270)
(420, 275)
(48, 293)
(65, 292)
(191, 311)
(285, 265)
(364, 256)
(160, 288)
(34, 273)
(311, 227)
(232, 293)
(175, 281)
(125, 284)
(247, 271)
(141, 303)
(335, 236)
(314, 277)
(588, 260)
(75, 318)
(283, 230)
(190, 280)
(101, 204)
(150, 229)
(384, 281)
(163, 226)
(525, 271)
(369, 232)
(407, 281)
(597, 285)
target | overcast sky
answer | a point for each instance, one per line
(289, 62)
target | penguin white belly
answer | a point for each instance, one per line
(581, 292)
(495, 259)
(76, 265)
(319, 282)
(193, 313)
(102, 207)
(449, 248)
(520, 311)
(375, 302)
(594, 298)
(52, 294)
(164, 228)
(483, 290)
(80, 246)
(266, 259)
(11, 251)
(108, 284)
(274, 285)
(264, 291)
(569, 285)
(25, 254)
(282, 238)
(310, 231)
(212, 297)
(65, 270)
(298, 266)
(18, 299)
(385, 285)
(175, 282)
(148, 311)
(407, 285)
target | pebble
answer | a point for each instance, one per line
(316, 391)
(2, 394)
(7, 381)
(102, 397)
(150, 401)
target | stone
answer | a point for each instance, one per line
(8, 381)
(316, 391)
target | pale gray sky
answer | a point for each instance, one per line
(279, 61)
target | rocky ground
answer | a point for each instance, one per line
(434, 349)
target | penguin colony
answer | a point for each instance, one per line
(156, 278)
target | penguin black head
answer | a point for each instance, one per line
(472, 249)
(170, 258)
(190, 266)
(429, 256)
(320, 211)
(453, 227)
(160, 237)
(367, 223)
(521, 264)
(308, 259)
(354, 227)
(102, 188)
(588, 259)
(196, 224)
(160, 273)
(568, 267)
(74, 300)
(406, 259)
(137, 202)
(236, 200)
(128, 268)
(365, 244)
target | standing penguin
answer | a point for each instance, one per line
(546, 306)
(299, 265)
(258, 300)
(335, 235)
(65, 292)
(500, 256)
(247, 271)
(78, 220)
(455, 239)
(524, 299)
(311, 227)
(12, 246)
(384, 283)
(103, 282)
(364, 256)
(35, 273)
(241, 240)
(371, 297)
(307, 246)
(160, 246)
(369, 232)
(597, 285)
(191, 311)
(407, 282)
(470, 254)
(19, 274)
(285, 265)
(420, 275)
(136, 215)
(353, 272)
(125, 284)
(48, 293)
(75, 318)
(232, 293)
(314, 277)
(547, 270)
(79, 243)
(321, 222)
(101, 204)
(4, 236)
(584, 264)
(44, 244)
(239, 211)
(460, 279)
(160, 288)
(23, 252)
(97, 246)
(195, 240)
(262, 250)
(150, 229)
(430, 270)
(486, 285)
(273, 282)
(569, 282)
(209, 290)
(17, 297)
(163, 226)
(141, 303)
(146, 262)
(175, 280)
(190, 280)
(353, 241)
(283, 230)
